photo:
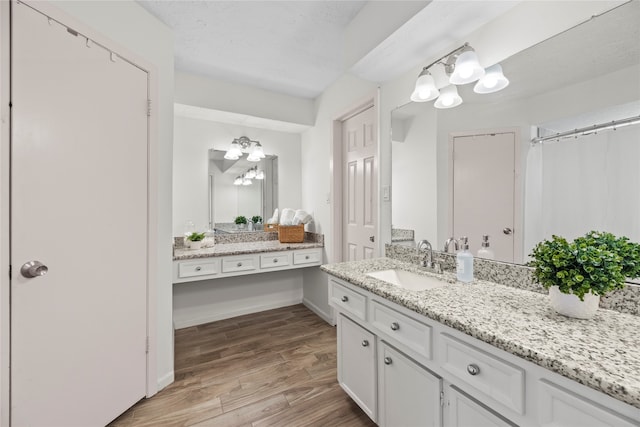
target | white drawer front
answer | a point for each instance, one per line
(496, 378)
(311, 256)
(562, 407)
(238, 263)
(347, 300)
(405, 330)
(204, 267)
(275, 260)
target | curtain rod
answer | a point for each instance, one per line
(614, 124)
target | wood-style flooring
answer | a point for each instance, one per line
(275, 368)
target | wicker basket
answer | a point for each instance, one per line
(271, 227)
(291, 233)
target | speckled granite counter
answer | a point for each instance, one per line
(602, 353)
(225, 249)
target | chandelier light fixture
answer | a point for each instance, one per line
(242, 145)
(462, 67)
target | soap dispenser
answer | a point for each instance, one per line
(464, 262)
(485, 252)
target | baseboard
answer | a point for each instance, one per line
(327, 317)
(213, 317)
(165, 380)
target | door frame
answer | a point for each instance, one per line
(5, 192)
(336, 177)
(518, 238)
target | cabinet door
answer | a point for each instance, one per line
(357, 364)
(463, 411)
(409, 394)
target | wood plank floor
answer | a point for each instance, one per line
(275, 368)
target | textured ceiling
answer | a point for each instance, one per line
(291, 47)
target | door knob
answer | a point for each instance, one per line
(507, 230)
(372, 238)
(388, 361)
(33, 269)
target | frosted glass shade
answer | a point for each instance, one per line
(467, 69)
(237, 181)
(425, 89)
(448, 98)
(493, 80)
(234, 152)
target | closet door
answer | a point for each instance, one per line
(78, 207)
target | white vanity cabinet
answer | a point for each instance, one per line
(429, 374)
(409, 394)
(214, 267)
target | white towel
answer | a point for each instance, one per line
(301, 217)
(274, 217)
(287, 216)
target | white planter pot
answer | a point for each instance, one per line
(571, 306)
(194, 245)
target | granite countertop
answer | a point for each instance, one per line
(602, 353)
(241, 248)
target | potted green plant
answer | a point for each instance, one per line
(257, 222)
(195, 240)
(577, 273)
(241, 222)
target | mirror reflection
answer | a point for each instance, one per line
(473, 170)
(240, 188)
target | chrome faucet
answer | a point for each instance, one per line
(424, 244)
(456, 244)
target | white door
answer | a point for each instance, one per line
(483, 186)
(409, 394)
(360, 193)
(78, 206)
(463, 411)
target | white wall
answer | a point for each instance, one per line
(193, 139)
(129, 25)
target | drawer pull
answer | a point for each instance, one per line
(239, 264)
(395, 326)
(275, 260)
(306, 257)
(365, 343)
(473, 369)
(387, 360)
(344, 298)
(198, 268)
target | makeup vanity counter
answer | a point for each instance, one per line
(602, 354)
(244, 257)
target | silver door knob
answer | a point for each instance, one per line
(473, 369)
(239, 264)
(33, 269)
(507, 230)
(372, 238)
(275, 260)
(387, 361)
(344, 298)
(365, 343)
(395, 326)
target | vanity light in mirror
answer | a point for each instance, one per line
(246, 181)
(237, 181)
(448, 98)
(260, 174)
(493, 80)
(251, 173)
(467, 68)
(425, 87)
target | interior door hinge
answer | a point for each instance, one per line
(442, 398)
(148, 108)
(10, 277)
(147, 345)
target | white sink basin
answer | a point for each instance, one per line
(407, 280)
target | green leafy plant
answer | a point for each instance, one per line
(598, 262)
(256, 219)
(195, 236)
(241, 219)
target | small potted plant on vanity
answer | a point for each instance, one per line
(577, 273)
(195, 239)
(257, 222)
(241, 222)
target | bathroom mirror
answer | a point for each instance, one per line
(227, 199)
(587, 75)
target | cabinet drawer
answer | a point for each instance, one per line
(405, 330)
(238, 263)
(347, 300)
(274, 260)
(496, 378)
(562, 407)
(312, 256)
(203, 267)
